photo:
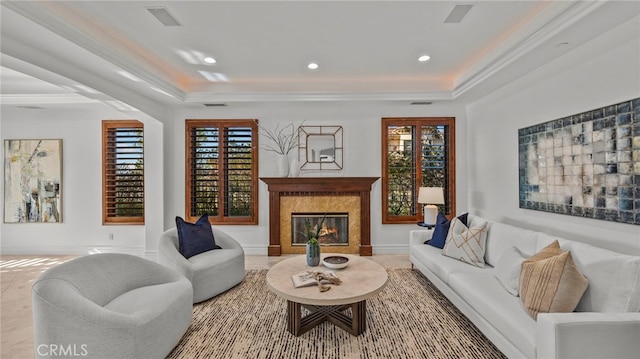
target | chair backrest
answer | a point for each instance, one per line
(170, 236)
(103, 277)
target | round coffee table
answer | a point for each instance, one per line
(361, 279)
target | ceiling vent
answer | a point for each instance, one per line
(216, 104)
(421, 103)
(30, 107)
(163, 15)
(458, 13)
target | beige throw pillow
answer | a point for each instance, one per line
(550, 282)
(466, 243)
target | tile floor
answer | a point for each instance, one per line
(17, 274)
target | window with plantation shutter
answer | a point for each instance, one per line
(417, 152)
(122, 172)
(222, 171)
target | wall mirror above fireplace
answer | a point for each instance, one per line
(320, 147)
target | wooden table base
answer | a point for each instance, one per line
(298, 325)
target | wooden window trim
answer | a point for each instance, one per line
(417, 122)
(106, 219)
(223, 123)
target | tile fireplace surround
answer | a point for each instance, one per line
(319, 194)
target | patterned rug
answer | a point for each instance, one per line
(410, 318)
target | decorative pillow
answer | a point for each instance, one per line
(466, 244)
(508, 269)
(550, 282)
(195, 238)
(441, 230)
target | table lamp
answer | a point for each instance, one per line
(430, 196)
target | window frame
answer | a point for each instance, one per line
(450, 192)
(222, 124)
(106, 218)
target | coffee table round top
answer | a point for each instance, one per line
(361, 279)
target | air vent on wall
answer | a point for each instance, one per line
(218, 104)
(421, 103)
(458, 13)
(163, 15)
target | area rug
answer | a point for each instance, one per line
(410, 318)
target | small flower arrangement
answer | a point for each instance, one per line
(313, 232)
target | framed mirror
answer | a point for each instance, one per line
(320, 147)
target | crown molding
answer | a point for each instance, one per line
(201, 97)
(45, 99)
(554, 26)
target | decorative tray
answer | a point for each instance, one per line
(335, 262)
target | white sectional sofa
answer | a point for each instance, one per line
(606, 323)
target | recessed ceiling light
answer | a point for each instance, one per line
(424, 58)
(210, 60)
(312, 66)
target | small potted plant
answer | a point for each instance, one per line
(313, 247)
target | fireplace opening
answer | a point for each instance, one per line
(334, 231)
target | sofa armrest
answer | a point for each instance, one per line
(418, 236)
(588, 335)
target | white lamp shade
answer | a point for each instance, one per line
(431, 195)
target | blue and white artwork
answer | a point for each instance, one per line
(585, 165)
(32, 178)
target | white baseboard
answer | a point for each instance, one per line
(255, 250)
(61, 251)
(153, 254)
(391, 249)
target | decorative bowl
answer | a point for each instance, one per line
(335, 262)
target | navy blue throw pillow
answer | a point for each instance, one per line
(442, 229)
(195, 238)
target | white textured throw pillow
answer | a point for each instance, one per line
(508, 269)
(466, 244)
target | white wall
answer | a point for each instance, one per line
(362, 157)
(602, 72)
(81, 230)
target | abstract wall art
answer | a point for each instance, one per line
(32, 181)
(585, 165)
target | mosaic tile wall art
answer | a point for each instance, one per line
(585, 165)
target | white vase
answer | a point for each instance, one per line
(294, 168)
(282, 165)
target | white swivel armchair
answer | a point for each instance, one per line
(110, 305)
(211, 272)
